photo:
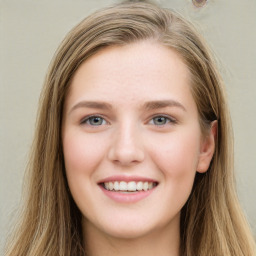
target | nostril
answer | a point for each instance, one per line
(126, 155)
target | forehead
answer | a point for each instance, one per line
(140, 71)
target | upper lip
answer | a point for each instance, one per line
(126, 178)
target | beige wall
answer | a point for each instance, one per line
(31, 30)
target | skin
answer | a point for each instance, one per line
(129, 140)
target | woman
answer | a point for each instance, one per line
(133, 151)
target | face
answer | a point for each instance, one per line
(132, 141)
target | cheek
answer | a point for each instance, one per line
(177, 159)
(177, 153)
(81, 154)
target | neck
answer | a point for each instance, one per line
(161, 243)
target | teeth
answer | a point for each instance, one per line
(123, 185)
(145, 186)
(110, 186)
(107, 185)
(129, 186)
(140, 185)
(116, 185)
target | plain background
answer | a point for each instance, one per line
(30, 32)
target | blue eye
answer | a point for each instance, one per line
(161, 120)
(94, 121)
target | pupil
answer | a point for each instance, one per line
(96, 120)
(160, 120)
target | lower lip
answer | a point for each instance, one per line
(127, 197)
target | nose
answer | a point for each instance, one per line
(126, 147)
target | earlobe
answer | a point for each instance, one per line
(207, 148)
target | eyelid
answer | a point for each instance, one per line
(168, 117)
(86, 118)
(171, 119)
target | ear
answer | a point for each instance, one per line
(207, 148)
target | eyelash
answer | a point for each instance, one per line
(166, 118)
(85, 120)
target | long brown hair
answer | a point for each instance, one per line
(212, 222)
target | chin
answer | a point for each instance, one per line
(121, 228)
(128, 232)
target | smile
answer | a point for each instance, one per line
(131, 186)
(127, 189)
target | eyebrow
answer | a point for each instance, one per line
(91, 104)
(150, 105)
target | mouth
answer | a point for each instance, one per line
(128, 187)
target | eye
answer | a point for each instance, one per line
(161, 120)
(94, 121)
